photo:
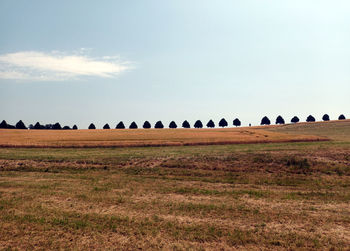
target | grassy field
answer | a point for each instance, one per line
(240, 196)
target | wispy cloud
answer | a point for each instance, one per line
(56, 66)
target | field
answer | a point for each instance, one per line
(142, 137)
(279, 195)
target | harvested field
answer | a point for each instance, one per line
(141, 137)
(275, 196)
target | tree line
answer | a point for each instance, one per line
(159, 125)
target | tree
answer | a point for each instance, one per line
(325, 117)
(210, 124)
(48, 126)
(223, 122)
(198, 124)
(159, 125)
(75, 127)
(147, 125)
(133, 125)
(56, 126)
(280, 120)
(236, 122)
(3, 124)
(106, 126)
(92, 126)
(120, 125)
(37, 126)
(185, 124)
(295, 119)
(66, 128)
(341, 117)
(20, 125)
(265, 121)
(172, 125)
(310, 118)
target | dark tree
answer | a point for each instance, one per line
(325, 117)
(310, 118)
(280, 120)
(48, 126)
(92, 126)
(295, 119)
(237, 122)
(30, 126)
(341, 117)
(210, 124)
(223, 123)
(198, 124)
(20, 125)
(147, 125)
(57, 126)
(37, 126)
(120, 125)
(172, 125)
(3, 125)
(106, 126)
(185, 124)
(66, 128)
(75, 127)
(159, 125)
(265, 121)
(133, 125)
(11, 127)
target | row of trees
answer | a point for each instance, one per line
(280, 120)
(21, 125)
(158, 125)
(172, 125)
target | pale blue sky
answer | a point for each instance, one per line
(173, 60)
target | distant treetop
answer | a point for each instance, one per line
(147, 125)
(159, 125)
(341, 117)
(92, 126)
(75, 127)
(120, 125)
(172, 125)
(198, 124)
(3, 124)
(20, 125)
(236, 122)
(185, 124)
(210, 124)
(223, 123)
(57, 126)
(106, 126)
(325, 117)
(295, 119)
(133, 125)
(310, 118)
(265, 121)
(279, 120)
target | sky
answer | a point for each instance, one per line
(77, 62)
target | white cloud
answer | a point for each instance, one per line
(56, 66)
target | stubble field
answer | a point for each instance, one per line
(291, 195)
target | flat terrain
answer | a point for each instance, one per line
(142, 137)
(240, 196)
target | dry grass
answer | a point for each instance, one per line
(276, 196)
(141, 137)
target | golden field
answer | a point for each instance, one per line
(146, 137)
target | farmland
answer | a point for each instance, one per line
(59, 190)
